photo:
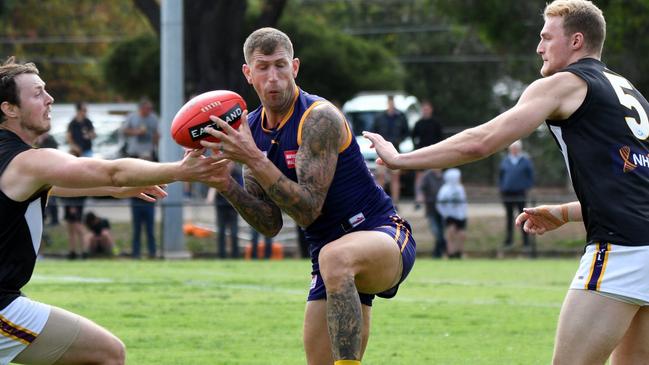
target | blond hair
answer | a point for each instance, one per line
(580, 16)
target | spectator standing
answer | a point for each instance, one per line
(73, 214)
(431, 181)
(303, 243)
(427, 131)
(141, 135)
(452, 205)
(100, 240)
(81, 132)
(268, 244)
(516, 177)
(227, 219)
(52, 209)
(391, 124)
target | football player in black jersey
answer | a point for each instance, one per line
(599, 121)
(33, 332)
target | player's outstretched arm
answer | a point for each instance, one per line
(555, 97)
(36, 169)
(147, 193)
(543, 218)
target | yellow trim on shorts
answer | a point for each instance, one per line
(601, 275)
(592, 267)
(17, 327)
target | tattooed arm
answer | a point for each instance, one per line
(323, 133)
(254, 205)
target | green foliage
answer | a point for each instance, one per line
(67, 39)
(429, 47)
(336, 65)
(234, 312)
(133, 66)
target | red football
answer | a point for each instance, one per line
(188, 126)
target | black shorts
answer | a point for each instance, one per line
(459, 223)
(73, 213)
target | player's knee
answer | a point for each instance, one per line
(115, 353)
(335, 267)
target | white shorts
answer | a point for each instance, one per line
(20, 323)
(619, 272)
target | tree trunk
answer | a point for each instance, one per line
(214, 40)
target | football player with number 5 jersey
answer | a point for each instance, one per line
(599, 121)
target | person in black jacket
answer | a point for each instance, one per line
(427, 131)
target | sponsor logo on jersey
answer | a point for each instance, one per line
(632, 160)
(289, 157)
(357, 219)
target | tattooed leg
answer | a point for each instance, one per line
(345, 321)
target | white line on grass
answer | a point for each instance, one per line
(284, 291)
(68, 279)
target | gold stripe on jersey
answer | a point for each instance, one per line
(285, 117)
(304, 115)
(348, 139)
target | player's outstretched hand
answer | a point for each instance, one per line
(196, 167)
(234, 144)
(543, 218)
(387, 154)
(147, 193)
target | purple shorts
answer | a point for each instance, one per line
(397, 228)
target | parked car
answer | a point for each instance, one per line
(362, 109)
(107, 120)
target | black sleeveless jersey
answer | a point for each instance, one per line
(606, 149)
(20, 228)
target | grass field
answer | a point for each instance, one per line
(248, 312)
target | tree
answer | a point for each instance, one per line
(214, 33)
(67, 42)
(337, 68)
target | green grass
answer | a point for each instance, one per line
(247, 312)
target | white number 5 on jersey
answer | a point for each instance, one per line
(640, 129)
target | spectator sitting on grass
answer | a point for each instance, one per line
(99, 241)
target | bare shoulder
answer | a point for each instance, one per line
(559, 84)
(562, 93)
(27, 172)
(324, 126)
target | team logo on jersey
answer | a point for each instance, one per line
(357, 219)
(632, 160)
(289, 157)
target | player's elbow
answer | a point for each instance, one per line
(478, 145)
(473, 150)
(116, 176)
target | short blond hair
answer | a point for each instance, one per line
(580, 16)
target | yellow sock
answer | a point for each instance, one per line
(347, 362)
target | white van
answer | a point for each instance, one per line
(364, 107)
